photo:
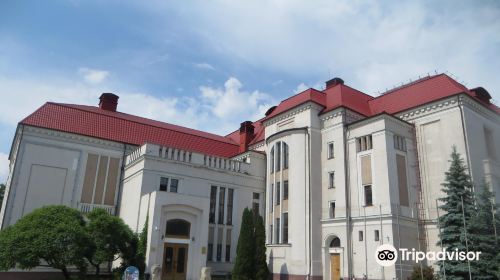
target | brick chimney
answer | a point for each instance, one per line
(333, 82)
(108, 101)
(246, 135)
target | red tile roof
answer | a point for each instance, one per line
(125, 128)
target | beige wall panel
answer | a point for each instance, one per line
(366, 170)
(88, 182)
(101, 178)
(402, 180)
(114, 165)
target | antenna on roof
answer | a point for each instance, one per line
(435, 71)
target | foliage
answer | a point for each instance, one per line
(458, 190)
(135, 252)
(143, 238)
(109, 236)
(482, 236)
(244, 266)
(427, 273)
(261, 269)
(2, 193)
(49, 236)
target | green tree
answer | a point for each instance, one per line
(51, 236)
(2, 193)
(427, 273)
(110, 237)
(262, 272)
(244, 267)
(458, 192)
(482, 236)
(134, 253)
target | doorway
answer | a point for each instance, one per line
(335, 266)
(175, 259)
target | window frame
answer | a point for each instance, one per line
(331, 180)
(330, 150)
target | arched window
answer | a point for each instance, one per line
(335, 242)
(271, 162)
(178, 228)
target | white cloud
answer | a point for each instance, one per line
(4, 167)
(205, 66)
(231, 103)
(93, 76)
(371, 45)
(300, 88)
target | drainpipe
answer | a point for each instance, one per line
(120, 186)
(309, 276)
(347, 204)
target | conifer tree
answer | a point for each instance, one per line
(482, 236)
(244, 267)
(454, 234)
(261, 270)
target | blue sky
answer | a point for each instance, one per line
(212, 64)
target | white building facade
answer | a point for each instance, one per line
(335, 173)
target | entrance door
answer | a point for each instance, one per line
(335, 266)
(175, 261)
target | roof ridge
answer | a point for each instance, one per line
(408, 85)
(67, 105)
(300, 94)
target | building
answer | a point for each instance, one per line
(335, 173)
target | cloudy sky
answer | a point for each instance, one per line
(212, 64)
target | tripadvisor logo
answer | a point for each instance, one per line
(387, 255)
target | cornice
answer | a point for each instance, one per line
(75, 138)
(428, 109)
(292, 112)
(477, 107)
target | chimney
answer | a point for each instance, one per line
(333, 82)
(246, 135)
(108, 101)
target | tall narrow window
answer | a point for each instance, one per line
(222, 197)
(230, 199)
(285, 156)
(377, 235)
(285, 190)
(364, 143)
(210, 251)
(271, 199)
(331, 180)
(228, 245)
(368, 195)
(163, 184)
(360, 233)
(332, 210)
(278, 156)
(330, 150)
(490, 143)
(277, 230)
(256, 208)
(174, 183)
(219, 245)
(271, 161)
(285, 228)
(213, 198)
(270, 234)
(278, 196)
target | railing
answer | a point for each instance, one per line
(188, 157)
(88, 207)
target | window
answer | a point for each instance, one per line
(399, 143)
(368, 195)
(222, 196)
(271, 199)
(256, 208)
(364, 143)
(331, 180)
(330, 150)
(360, 234)
(174, 183)
(377, 235)
(163, 184)
(490, 143)
(285, 228)
(332, 210)
(277, 231)
(256, 195)
(177, 228)
(228, 245)
(219, 252)
(230, 199)
(213, 197)
(271, 162)
(285, 190)
(285, 156)
(210, 252)
(270, 234)
(278, 156)
(278, 197)
(335, 242)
